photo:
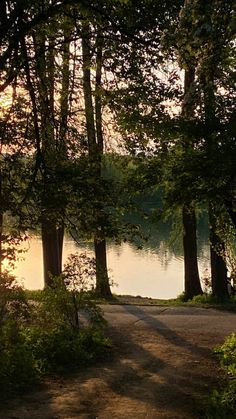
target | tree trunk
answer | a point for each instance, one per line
(1, 221)
(192, 285)
(52, 251)
(1, 230)
(102, 280)
(217, 258)
(217, 246)
(95, 146)
(52, 145)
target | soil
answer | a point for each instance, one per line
(163, 366)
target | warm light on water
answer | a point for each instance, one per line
(135, 272)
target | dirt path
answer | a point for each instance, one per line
(163, 365)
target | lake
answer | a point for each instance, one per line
(154, 271)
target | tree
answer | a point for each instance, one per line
(191, 274)
(209, 46)
(145, 112)
(93, 113)
(45, 85)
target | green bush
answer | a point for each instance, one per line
(227, 354)
(204, 299)
(182, 298)
(60, 348)
(18, 367)
(58, 331)
(222, 404)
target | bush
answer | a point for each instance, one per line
(62, 348)
(204, 299)
(58, 331)
(227, 354)
(222, 404)
(18, 367)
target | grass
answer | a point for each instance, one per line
(204, 301)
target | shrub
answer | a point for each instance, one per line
(204, 299)
(70, 299)
(61, 348)
(13, 301)
(48, 335)
(227, 354)
(222, 404)
(18, 367)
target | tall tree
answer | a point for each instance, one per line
(93, 113)
(209, 44)
(50, 116)
(192, 285)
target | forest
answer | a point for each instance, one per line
(101, 102)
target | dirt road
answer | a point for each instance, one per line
(162, 366)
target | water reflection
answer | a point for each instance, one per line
(155, 271)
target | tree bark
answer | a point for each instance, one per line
(217, 258)
(217, 246)
(95, 146)
(50, 147)
(51, 252)
(102, 280)
(192, 285)
(1, 218)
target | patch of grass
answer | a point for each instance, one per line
(34, 295)
(208, 300)
(205, 300)
(130, 299)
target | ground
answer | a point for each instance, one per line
(162, 367)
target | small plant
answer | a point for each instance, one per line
(71, 297)
(182, 298)
(13, 301)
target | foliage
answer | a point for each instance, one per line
(43, 336)
(222, 403)
(204, 299)
(207, 300)
(13, 301)
(71, 294)
(18, 365)
(227, 354)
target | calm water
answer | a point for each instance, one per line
(155, 271)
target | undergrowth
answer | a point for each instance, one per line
(222, 403)
(47, 332)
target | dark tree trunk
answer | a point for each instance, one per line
(52, 242)
(102, 283)
(192, 285)
(51, 148)
(217, 246)
(60, 238)
(1, 222)
(218, 265)
(95, 146)
(1, 228)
